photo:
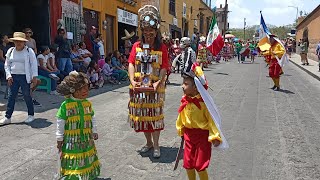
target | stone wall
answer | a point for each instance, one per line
(311, 23)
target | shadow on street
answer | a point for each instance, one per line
(168, 155)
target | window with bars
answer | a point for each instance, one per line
(73, 25)
(172, 7)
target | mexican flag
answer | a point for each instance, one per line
(214, 39)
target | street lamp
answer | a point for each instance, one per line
(244, 28)
(297, 12)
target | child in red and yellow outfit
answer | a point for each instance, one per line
(196, 125)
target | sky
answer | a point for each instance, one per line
(275, 12)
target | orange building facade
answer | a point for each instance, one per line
(309, 27)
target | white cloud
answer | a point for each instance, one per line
(275, 12)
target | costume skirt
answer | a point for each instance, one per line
(146, 110)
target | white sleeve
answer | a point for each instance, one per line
(33, 63)
(60, 129)
(94, 124)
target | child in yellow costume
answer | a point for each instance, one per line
(198, 123)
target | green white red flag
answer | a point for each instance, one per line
(214, 39)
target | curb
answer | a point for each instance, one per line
(2, 107)
(305, 70)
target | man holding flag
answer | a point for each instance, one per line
(275, 52)
(214, 39)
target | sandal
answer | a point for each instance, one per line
(145, 149)
(156, 153)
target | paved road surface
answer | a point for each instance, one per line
(272, 135)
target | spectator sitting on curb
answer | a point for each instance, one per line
(85, 53)
(46, 70)
(117, 66)
(95, 75)
(77, 60)
(52, 60)
(109, 71)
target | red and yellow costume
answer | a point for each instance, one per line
(276, 50)
(146, 108)
(197, 127)
(202, 55)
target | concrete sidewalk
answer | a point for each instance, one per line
(312, 69)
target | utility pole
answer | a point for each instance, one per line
(244, 29)
(225, 14)
(297, 8)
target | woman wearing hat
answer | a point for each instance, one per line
(146, 108)
(127, 42)
(21, 70)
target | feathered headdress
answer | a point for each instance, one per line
(72, 83)
(149, 17)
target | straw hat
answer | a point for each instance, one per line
(128, 35)
(19, 36)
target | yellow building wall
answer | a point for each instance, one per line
(109, 7)
(190, 16)
(207, 13)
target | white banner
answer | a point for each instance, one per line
(175, 21)
(127, 18)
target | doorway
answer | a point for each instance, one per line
(33, 14)
(110, 34)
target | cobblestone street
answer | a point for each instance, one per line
(272, 135)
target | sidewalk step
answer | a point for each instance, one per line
(2, 107)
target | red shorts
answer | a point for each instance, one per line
(274, 69)
(197, 151)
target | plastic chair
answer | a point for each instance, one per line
(45, 83)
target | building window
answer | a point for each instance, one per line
(172, 7)
(201, 23)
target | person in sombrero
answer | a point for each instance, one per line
(21, 70)
(127, 42)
